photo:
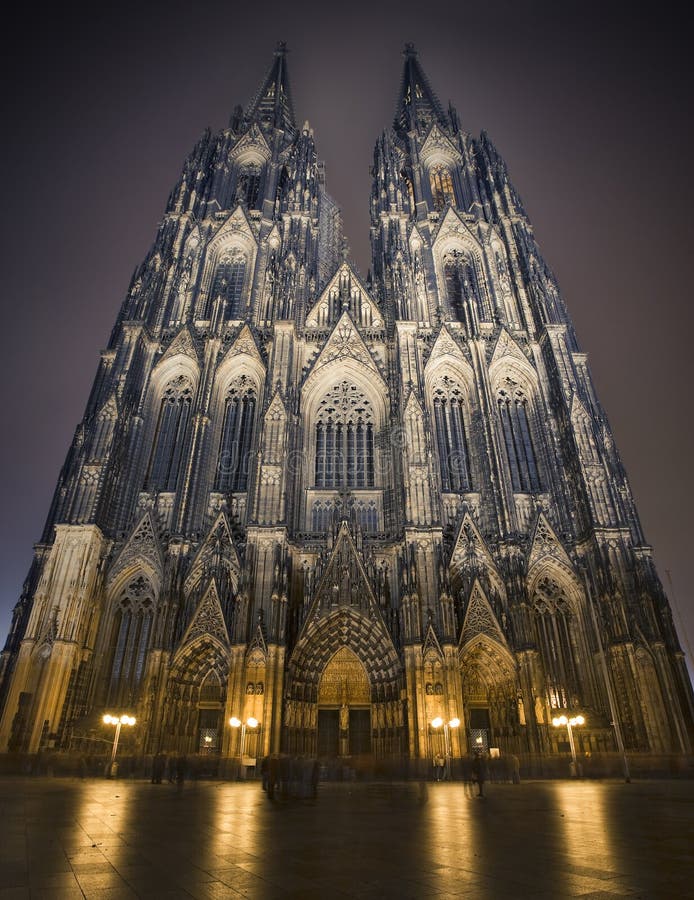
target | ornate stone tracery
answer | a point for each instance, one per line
(344, 429)
(343, 506)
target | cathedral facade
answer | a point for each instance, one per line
(348, 510)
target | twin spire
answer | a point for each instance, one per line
(272, 106)
(418, 106)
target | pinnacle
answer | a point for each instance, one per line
(272, 105)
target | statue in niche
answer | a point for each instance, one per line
(260, 688)
(539, 711)
(521, 711)
(250, 688)
(289, 713)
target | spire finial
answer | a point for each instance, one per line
(418, 106)
(272, 105)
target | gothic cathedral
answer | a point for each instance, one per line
(345, 509)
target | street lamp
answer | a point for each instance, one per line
(570, 723)
(252, 723)
(452, 723)
(118, 721)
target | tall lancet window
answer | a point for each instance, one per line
(451, 437)
(409, 187)
(170, 435)
(248, 185)
(462, 289)
(344, 439)
(553, 619)
(102, 432)
(515, 424)
(234, 459)
(441, 186)
(131, 631)
(229, 282)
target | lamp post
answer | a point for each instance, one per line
(252, 723)
(570, 723)
(118, 721)
(452, 723)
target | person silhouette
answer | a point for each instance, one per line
(479, 772)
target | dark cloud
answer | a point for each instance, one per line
(590, 110)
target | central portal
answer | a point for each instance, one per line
(328, 733)
(344, 707)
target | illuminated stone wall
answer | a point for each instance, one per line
(300, 495)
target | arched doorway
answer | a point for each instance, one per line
(344, 657)
(193, 721)
(344, 707)
(490, 697)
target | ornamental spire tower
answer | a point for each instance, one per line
(272, 106)
(513, 489)
(418, 106)
(346, 509)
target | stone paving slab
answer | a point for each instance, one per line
(114, 840)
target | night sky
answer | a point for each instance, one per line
(592, 114)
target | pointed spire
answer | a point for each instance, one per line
(418, 106)
(272, 106)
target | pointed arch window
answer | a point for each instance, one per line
(553, 622)
(211, 689)
(344, 433)
(462, 287)
(132, 629)
(520, 452)
(228, 283)
(323, 514)
(406, 176)
(441, 186)
(234, 458)
(282, 183)
(102, 433)
(451, 437)
(170, 435)
(248, 185)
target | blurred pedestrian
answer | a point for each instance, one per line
(315, 778)
(273, 775)
(285, 776)
(479, 772)
(181, 765)
(158, 764)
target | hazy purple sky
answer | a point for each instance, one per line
(592, 114)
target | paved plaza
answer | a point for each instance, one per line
(65, 838)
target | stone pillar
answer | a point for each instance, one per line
(56, 632)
